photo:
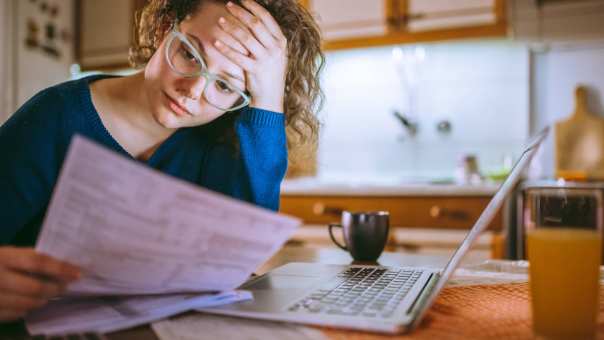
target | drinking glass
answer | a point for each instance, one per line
(564, 243)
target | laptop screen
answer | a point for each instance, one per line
(483, 221)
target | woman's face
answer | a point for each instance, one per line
(178, 101)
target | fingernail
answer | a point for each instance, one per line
(222, 20)
(229, 4)
(218, 43)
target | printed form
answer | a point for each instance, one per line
(135, 230)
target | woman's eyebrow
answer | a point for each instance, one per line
(231, 75)
(202, 50)
(197, 42)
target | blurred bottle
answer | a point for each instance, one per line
(467, 170)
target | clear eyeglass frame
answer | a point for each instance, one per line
(203, 71)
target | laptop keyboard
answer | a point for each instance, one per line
(363, 291)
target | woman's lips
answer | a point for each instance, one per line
(176, 108)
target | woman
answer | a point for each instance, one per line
(221, 82)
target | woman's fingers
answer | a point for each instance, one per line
(254, 24)
(245, 37)
(28, 279)
(239, 59)
(28, 260)
(10, 315)
(27, 285)
(19, 304)
(269, 22)
(230, 41)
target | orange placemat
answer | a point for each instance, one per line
(472, 312)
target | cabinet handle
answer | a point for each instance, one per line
(437, 212)
(320, 208)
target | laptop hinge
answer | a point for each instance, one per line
(425, 291)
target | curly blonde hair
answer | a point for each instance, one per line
(303, 94)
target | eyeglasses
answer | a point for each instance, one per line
(186, 61)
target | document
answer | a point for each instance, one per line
(135, 230)
(113, 313)
(148, 244)
(211, 327)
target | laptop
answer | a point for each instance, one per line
(375, 298)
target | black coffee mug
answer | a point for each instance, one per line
(365, 234)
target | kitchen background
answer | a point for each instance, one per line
(480, 88)
(469, 79)
(487, 95)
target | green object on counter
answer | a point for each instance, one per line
(498, 175)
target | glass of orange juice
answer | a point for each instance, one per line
(564, 244)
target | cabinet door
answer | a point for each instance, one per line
(409, 211)
(361, 23)
(345, 19)
(105, 32)
(557, 21)
(438, 14)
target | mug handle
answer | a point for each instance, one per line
(331, 226)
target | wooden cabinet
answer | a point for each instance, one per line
(104, 32)
(105, 28)
(348, 19)
(557, 20)
(456, 212)
(432, 15)
(362, 23)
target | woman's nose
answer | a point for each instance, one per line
(192, 87)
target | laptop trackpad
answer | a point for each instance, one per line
(272, 281)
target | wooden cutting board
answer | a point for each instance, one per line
(580, 142)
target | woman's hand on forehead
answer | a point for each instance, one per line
(258, 32)
(220, 34)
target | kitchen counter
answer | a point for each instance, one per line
(407, 238)
(383, 187)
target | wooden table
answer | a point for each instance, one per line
(290, 253)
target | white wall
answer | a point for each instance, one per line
(3, 51)
(556, 73)
(482, 88)
(5, 59)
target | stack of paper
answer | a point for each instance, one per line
(210, 327)
(134, 230)
(108, 314)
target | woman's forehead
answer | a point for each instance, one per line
(204, 22)
(203, 27)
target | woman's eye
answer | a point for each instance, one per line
(187, 54)
(223, 87)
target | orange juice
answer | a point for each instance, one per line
(564, 280)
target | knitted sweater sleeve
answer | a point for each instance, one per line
(254, 174)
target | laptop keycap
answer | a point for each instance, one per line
(370, 292)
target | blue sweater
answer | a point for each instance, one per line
(34, 141)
